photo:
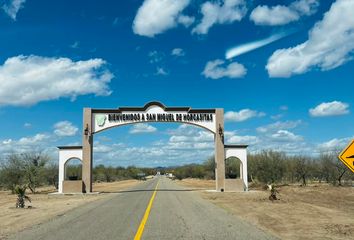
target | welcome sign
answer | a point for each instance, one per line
(153, 112)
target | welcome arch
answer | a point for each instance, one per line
(97, 120)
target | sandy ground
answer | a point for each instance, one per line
(45, 207)
(313, 212)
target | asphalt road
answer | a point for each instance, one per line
(175, 213)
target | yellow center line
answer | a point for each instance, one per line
(140, 231)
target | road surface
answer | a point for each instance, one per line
(155, 209)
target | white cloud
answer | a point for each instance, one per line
(329, 109)
(190, 137)
(155, 56)
(193, 136)
(101, 148)
(156, 16)
(247, 47)
(277, 15)
(215, 70)
(285, 136)
(25, 144)
(305, 7)
(277, 116)
(142, 128)
(330, 44)
(281, 15)
(27, 80)
(186, 144)
(334, 144)
(36, 139)
(220, 12)
(284, 108)
(272, 137)
(65, 129)
(279, 126)
(12, 7)
(186, 20)
(27, 125)
(161, 71)
(243, 140)
(242, 115)
(75, 45)
(179, 52)
(229, 134)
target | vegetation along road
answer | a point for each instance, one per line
(155, 209)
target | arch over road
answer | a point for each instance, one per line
(97, 120)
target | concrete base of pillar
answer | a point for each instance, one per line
(75, 186)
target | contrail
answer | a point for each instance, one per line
(247, 47)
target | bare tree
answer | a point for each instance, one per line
(302, 169)
(34, 167)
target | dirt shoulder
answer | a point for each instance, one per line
(45, 207)
(313, 212)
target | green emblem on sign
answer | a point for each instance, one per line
(100, 120)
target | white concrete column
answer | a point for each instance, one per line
(244, 172)
(240, 152)
(61, 174)
(65, 154)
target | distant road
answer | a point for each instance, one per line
(155, 209)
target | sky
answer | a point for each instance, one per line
(282, 71)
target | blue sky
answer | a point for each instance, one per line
(292, 94)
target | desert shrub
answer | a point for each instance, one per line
(302, 169)
(333, 170)
(12, 172)
(34, 169)
(209, 167)
(232, 167)
(51, 175)
(24, 169)
(267, 166)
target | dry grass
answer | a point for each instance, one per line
(197, 183)
(46, 206)
(113, 186)
(313, 212)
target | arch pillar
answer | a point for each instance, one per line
(240, 152)
(219, 150)
(67, 153)
(87, 148)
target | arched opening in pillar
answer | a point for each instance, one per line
(72, 176)
(238, 152)
(73, 170)
(233, 174)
